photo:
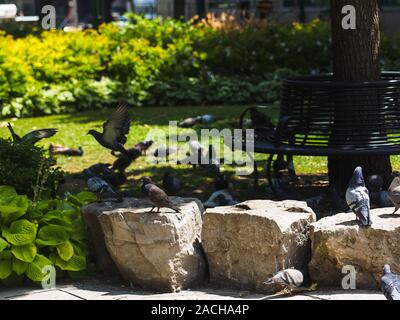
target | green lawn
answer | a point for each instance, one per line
(73, 133)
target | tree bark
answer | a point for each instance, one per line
(356, 57)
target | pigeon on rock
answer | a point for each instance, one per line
(394, 193)
(31, 137)
(357, 197)
(390, 284)
(287, 279)
(115, 130)
(171, 183)
(157, 196)
(102, 190)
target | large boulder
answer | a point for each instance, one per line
(339, 241)
(154, 251)
(247, 242)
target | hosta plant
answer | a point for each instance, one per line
(35, 235)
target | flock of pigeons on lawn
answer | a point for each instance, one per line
(102, 179)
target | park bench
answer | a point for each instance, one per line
(321, 117)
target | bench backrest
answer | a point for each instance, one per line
(321, 112)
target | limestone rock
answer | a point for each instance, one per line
(338, 241)
(155, 251)
(248, 242)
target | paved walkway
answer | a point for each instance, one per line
(104, 290)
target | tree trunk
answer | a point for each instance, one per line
(356, 58)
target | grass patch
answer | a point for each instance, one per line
(73, 133)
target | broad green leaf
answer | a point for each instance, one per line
(12, 208)
(3, 244)
(20, 233)
(26, 253)
(18, 266)
(34, 269)
(51, 236)
(7, 191)
(5, 264)
(76, 263)
(65, 250)
(82, 198)
(79, 231)
(80, 248)
(56, 217)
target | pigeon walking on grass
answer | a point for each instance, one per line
(357, 197)
(58, 149)
(103, 190)
(390, 284)
(115, 130)
(157, 196)
(394, 193)
(189, 122)
(288, 279)
(31, 137)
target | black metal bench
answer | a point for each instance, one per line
(320, 117)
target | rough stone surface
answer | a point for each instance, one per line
(102, 257)
(338, 241)
(155, 251)
(248, 242)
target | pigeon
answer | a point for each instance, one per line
(220, 198)
(211, 162)
(189, 122)
(357, 198)
(394, 193)
(390, 284)
(102, 190)
(287, 279)
(170, 183)
(157, 196)
(57, 149)
(99, 169)
(125, 160)
(115, 130)
(208, 119)
(144, 145)
(31, 137)
(375, 183)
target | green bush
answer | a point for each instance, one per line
(38, 234)
(29, 169)
(160, 62)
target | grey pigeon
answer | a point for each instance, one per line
(211, 162)
(196, 153)
(164, 152)
(189, 122)
(287, 279)
(57, 149)
(157, 196)
(260, 119)
(33, 136)
(115, 130)
(357, 198)
(102, 190)
(390, 284)
(125, 159)
(171, 183)
(220, 198)
(394, 193)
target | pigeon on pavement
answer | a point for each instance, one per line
(390, 284)
(157, 196)
(394, 193)
(31, 137)
(102, 190)
(115, 130)
(287, 279)
(357, 198)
